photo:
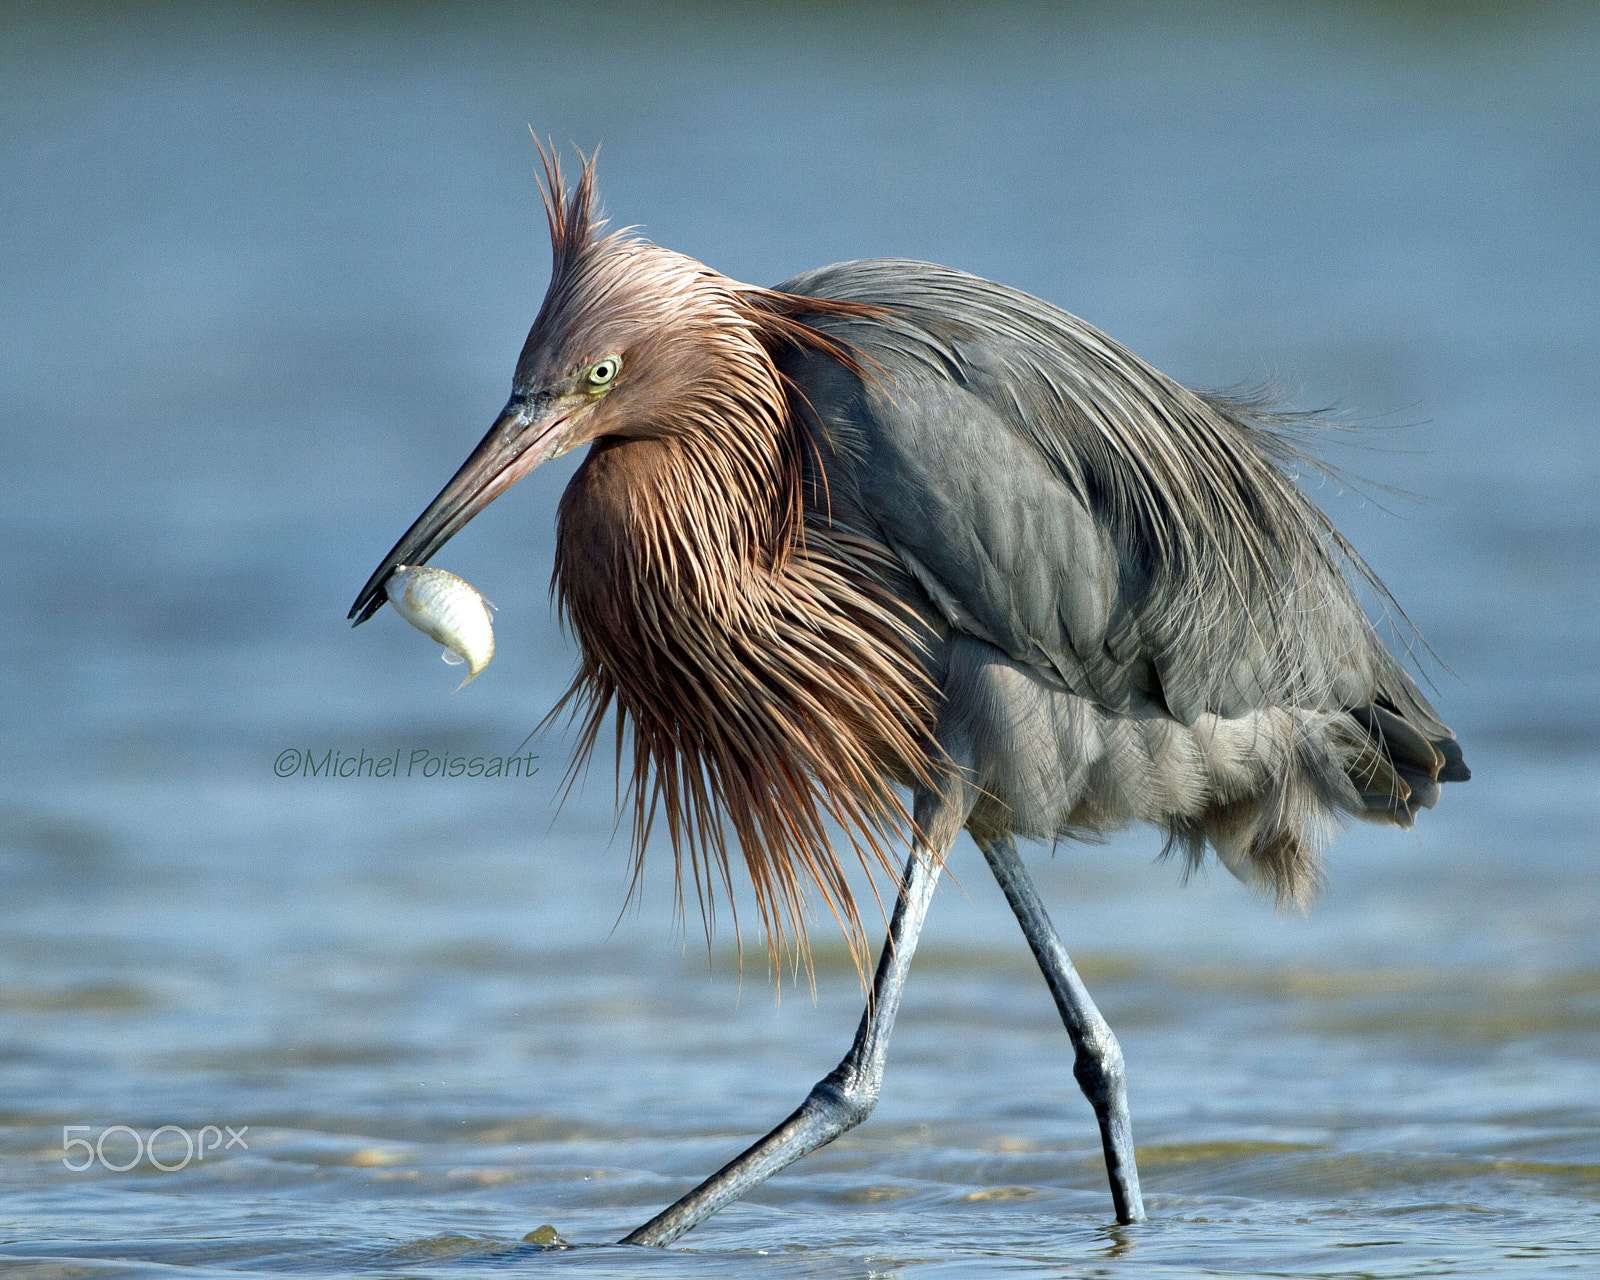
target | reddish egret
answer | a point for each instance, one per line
(891, 524)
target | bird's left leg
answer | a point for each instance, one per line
(1097, 1064)
(846, 1096)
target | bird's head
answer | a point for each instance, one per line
(632, 341)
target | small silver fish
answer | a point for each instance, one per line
(448, 609)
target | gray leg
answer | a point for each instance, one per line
(1098, 1061)
(847, 1095)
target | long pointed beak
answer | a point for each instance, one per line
(525, 434)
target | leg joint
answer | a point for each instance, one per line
(1099, 1069)
(842, 1103)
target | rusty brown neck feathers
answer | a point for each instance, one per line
(762, 675)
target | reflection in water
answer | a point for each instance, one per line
(266, 280)
(1119, 1240)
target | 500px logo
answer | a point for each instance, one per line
(169, 1160)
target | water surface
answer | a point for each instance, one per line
(267, 270)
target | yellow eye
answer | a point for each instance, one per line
(605, 371)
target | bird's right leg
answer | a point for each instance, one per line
(1097, 1063)
(846, 1096)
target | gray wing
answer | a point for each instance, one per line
(1061, 499)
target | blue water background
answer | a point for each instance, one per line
(265, 271)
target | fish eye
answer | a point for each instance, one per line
(604, 372)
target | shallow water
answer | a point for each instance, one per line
(267, 271)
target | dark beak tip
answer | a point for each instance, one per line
(371, 598)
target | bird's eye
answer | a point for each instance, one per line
(605, 371)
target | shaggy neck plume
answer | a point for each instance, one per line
(764, 672)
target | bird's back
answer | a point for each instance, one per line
(1141, 616)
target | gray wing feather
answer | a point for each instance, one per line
(1061, 499)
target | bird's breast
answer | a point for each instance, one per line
(601, 544)
(650, 558)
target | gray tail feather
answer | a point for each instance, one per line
(1396, 769)
(1380, 768)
